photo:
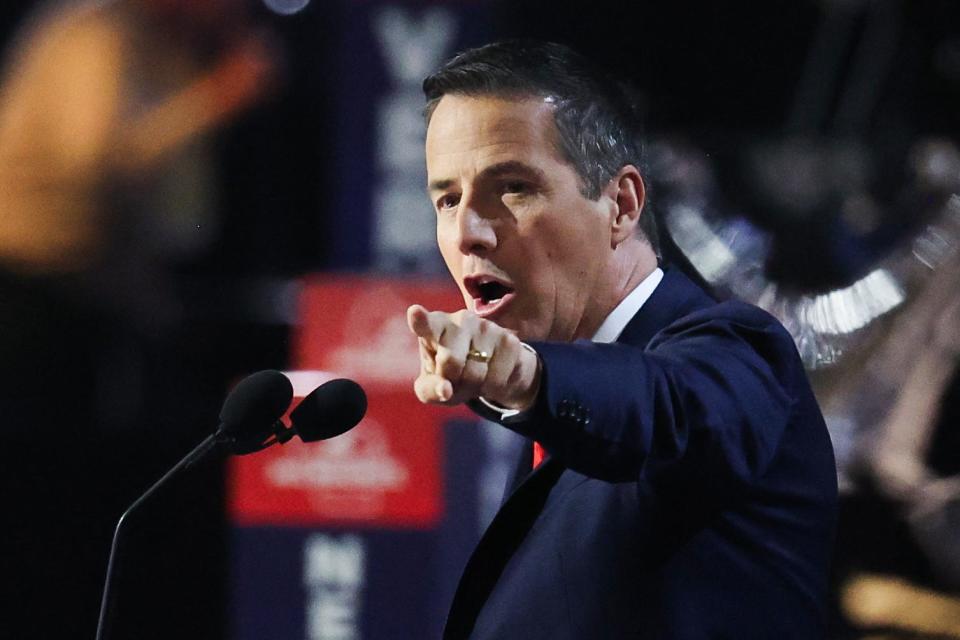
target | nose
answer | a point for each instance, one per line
(476, 232)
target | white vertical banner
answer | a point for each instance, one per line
(413, 43)
(334, 577)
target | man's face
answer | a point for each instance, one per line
(524, 245)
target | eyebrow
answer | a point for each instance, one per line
(495, 171)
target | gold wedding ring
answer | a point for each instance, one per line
(479, 356)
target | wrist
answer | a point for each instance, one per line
(529, 389)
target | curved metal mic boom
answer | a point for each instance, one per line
(250, 421)
(250, 410)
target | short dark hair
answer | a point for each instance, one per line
(596, 118)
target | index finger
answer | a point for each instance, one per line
(424, 324)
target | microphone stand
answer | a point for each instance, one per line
(199, 452)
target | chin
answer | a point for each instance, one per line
(528, 333)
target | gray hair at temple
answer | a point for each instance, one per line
(597, 121)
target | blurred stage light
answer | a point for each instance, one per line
(286, 7)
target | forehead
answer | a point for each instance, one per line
(482, 130)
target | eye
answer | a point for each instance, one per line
(516, 187)
(448, 201)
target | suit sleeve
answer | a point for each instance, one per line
(709, 396)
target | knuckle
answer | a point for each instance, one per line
(447, 360)
(487, 390)
(473, 378)
(484, 327)
(493, 388)
(508, 341)
(463, 318)
(514, 376)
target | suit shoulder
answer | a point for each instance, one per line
(734, 312)
(735, 320)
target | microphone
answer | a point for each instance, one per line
(258, 399)
(247, 417)
(331, 409)
(252, 409)
(250, 421)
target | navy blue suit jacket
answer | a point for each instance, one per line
(690, 490)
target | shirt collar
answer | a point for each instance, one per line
(614, 324)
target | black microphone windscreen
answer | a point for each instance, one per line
(256, 403)
(329, 410)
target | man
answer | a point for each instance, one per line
(689, 488)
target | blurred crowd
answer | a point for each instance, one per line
(108, 187)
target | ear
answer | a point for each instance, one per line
(628, 192)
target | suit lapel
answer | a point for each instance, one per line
(502, 537)
(523, 458)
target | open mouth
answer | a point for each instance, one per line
(488, 294)
(492, 291)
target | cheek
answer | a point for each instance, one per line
(567, 248)
(448, 248)
(453, 259)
